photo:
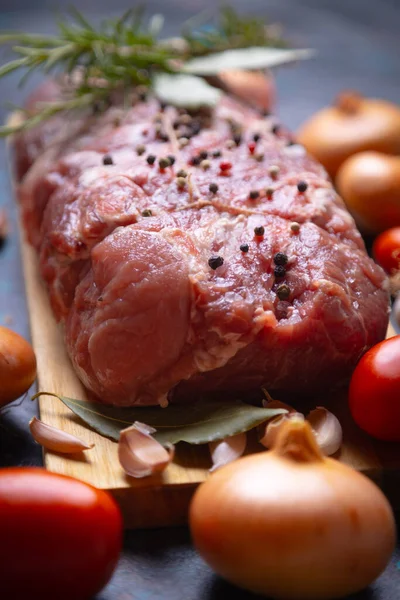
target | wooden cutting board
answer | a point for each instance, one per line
(162, 500)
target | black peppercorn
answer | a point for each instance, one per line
(163, 163)
(147, 213)
(283, 292)
(280, 258)
(254, 194)
(237, 138)
(244, 247)
(215, 261)
(171, 159)
(163, 137)
(213, 188)
(279, 271)
(256, 137)
(203, 155)
(302, 186)
(151, 159)
(216, 154)
(196, 160)
(259, 231)
(107, 160)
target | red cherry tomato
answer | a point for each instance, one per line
(60, 538)
(386, 249)
(374, 393)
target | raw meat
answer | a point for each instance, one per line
(125, 248)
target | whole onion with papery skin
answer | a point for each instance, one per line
(17, 365)
(369, 183)
(292, 524)
(353, 124)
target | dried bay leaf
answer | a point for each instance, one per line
(197, 423)
(253, 58)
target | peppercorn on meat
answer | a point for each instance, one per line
(190, 253)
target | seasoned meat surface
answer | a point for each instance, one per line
(191, 253)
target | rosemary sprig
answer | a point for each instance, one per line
(118, 55)
(231, 32)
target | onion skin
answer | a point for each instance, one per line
(353, 124)
(17, 366)
(369, 183)
(292, 524)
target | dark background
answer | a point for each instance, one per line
(358, 44)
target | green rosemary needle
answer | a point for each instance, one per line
(116, 56)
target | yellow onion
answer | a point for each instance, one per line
(292, 524)
(353, 124)
(369, 183)
(17, 365)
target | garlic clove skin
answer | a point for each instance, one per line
(55, 439)
(327, 430)
(140, 455)
(274, 425)
(227, 450)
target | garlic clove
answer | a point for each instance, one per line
(227, 450)
(274, 425)
(140, 455)
(327, 430)
(55, 439)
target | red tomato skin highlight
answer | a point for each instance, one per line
(386, 250)
(60, 538)
(374, 393)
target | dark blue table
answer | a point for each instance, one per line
(358, 47)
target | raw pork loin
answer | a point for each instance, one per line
(187, 254)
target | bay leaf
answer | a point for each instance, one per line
(185, 91)
(253, 58)
(197, 423)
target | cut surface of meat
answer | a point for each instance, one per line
(192, 253)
